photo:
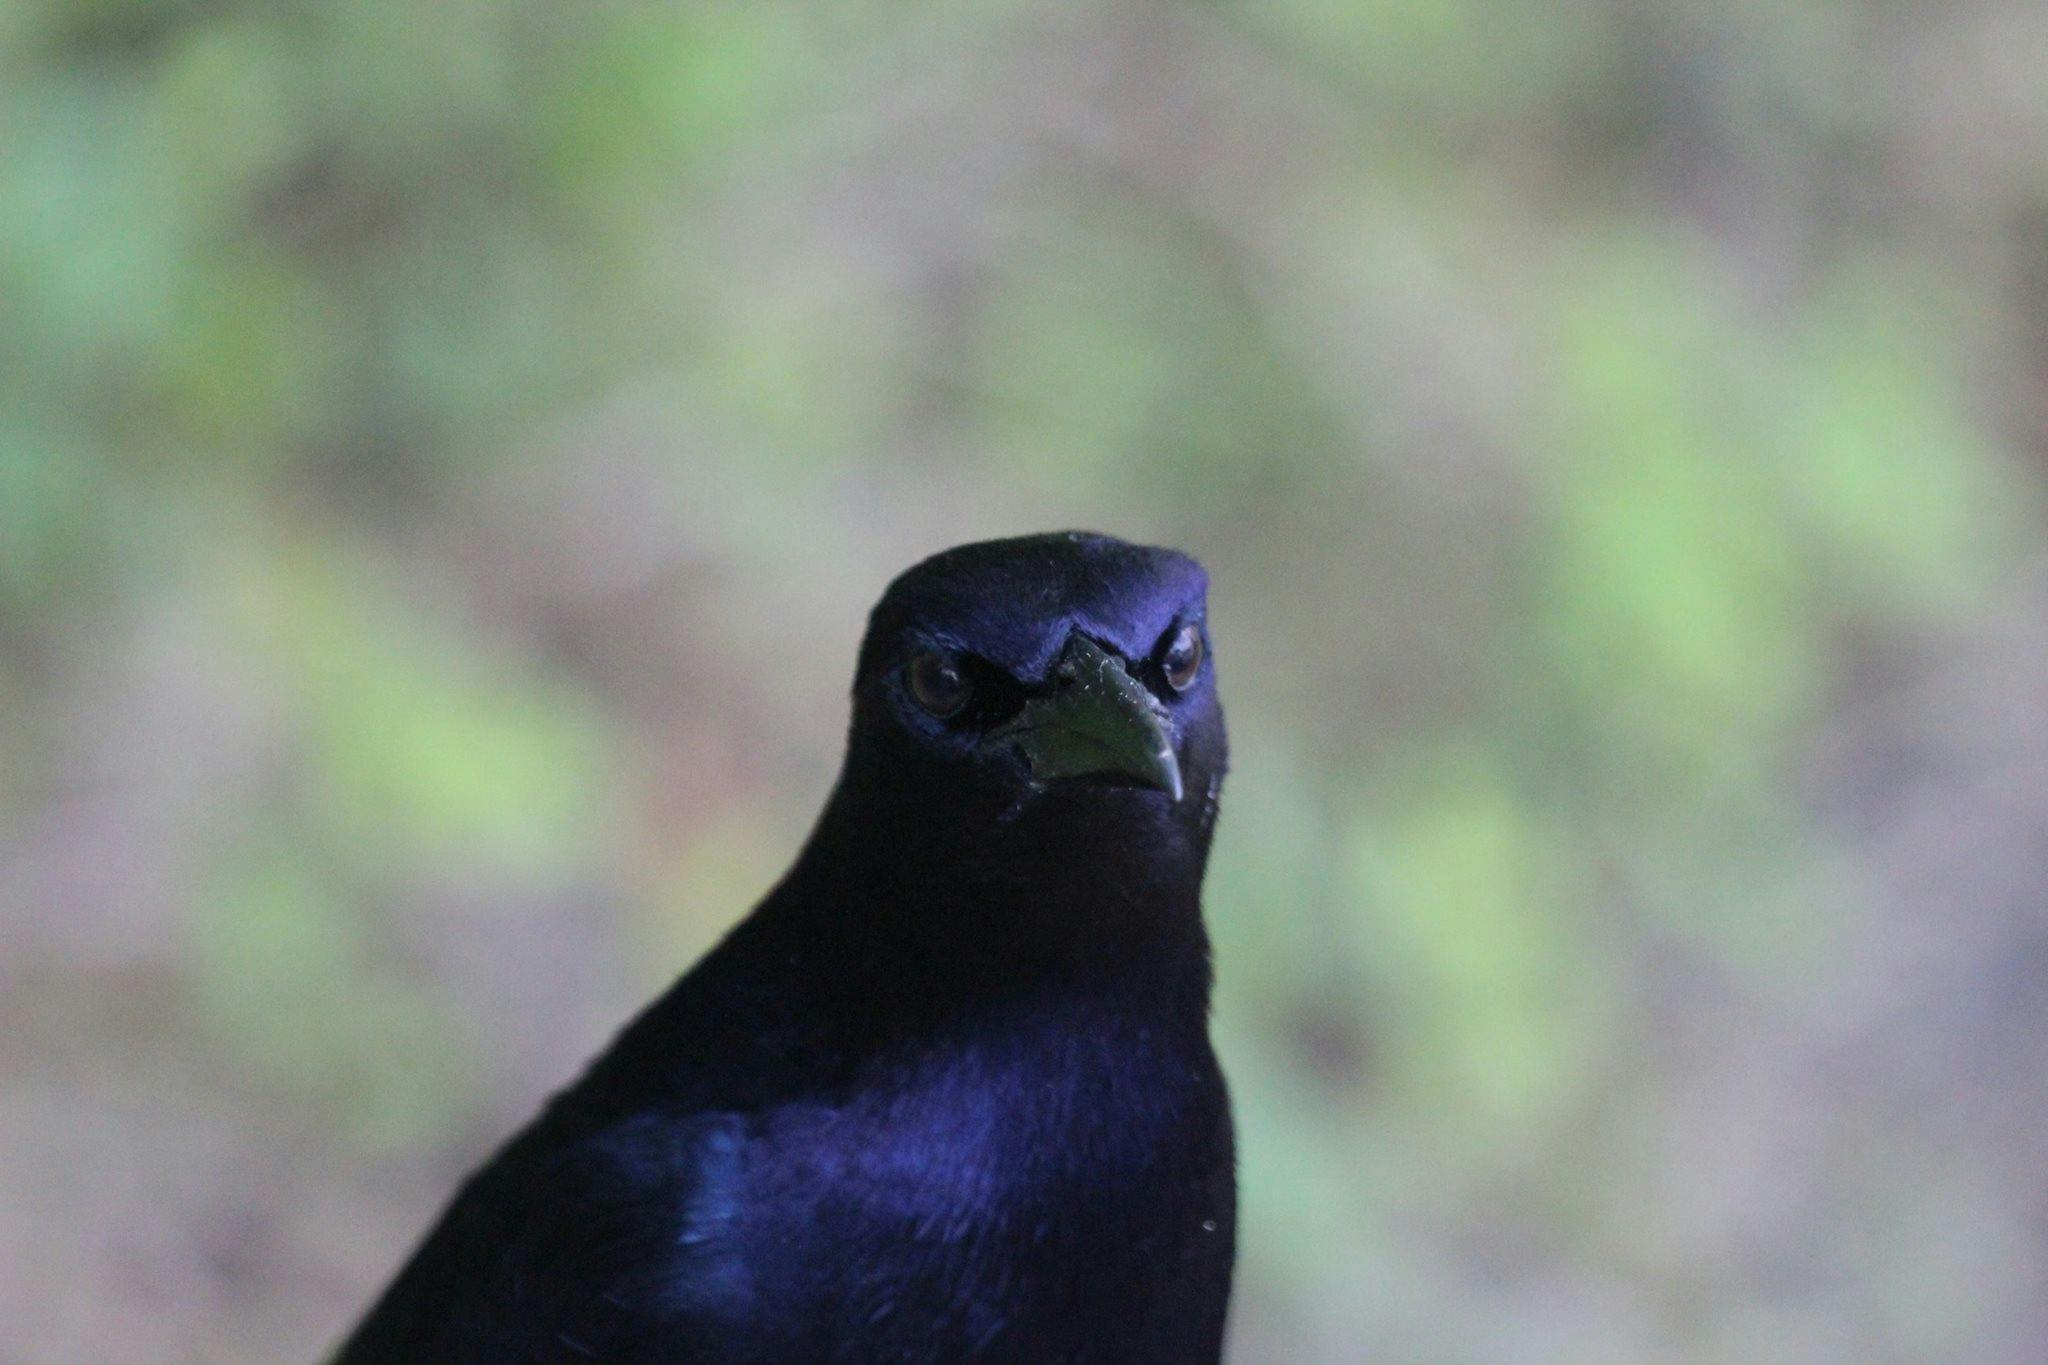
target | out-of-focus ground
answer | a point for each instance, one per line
(446, 454)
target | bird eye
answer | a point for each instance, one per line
(1183, 658)
(938, 684)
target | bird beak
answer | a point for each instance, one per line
(1097, 720)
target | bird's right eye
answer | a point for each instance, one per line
(937, 684)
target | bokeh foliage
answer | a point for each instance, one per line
(445, 453)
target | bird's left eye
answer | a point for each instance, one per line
(1183, 658)
(938, 684)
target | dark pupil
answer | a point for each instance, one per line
(1183, 657)
(938, 684)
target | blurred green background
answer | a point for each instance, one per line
(446, 453)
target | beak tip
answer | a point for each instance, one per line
(1098, 719)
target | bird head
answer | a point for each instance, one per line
(1060, 684)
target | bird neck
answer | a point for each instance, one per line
(917, 908)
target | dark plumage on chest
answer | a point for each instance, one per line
(1063, 1196)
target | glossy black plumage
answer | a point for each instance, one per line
(947, 1093)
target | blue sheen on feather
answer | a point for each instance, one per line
(1014, 601)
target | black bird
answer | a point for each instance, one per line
(947, 1093)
